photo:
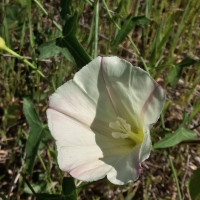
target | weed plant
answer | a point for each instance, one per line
(162, 37)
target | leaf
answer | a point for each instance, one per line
(69, 41)
(178, 136)
(68, 191)
(31, 114)
(46, 138)
(15, 16)
(49, 49)
(70, 27)
(36, 133)
(194, 185)
(75, 48)
(37, 187)
(68, 45)
(69, 188)
(128, 25)
(175, 74)
(65, 6)
(154, 46)
(165, 38)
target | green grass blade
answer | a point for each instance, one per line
(127, 27)
(176, 72)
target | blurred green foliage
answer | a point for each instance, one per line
(58, 38)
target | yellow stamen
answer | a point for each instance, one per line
(124, 129)
(136, 137)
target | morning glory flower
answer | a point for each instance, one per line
(101, 120)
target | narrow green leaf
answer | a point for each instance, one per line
(176, 72)
(195, 111)
(129, 24)
(75, 48)
(165, 38)
(70, 27)
(187, 62)
(49, 49)
(65, 6)
(36, 134)
(158, 45)
(194, 185)
(178, 136)
(154, 46)
(69, 188)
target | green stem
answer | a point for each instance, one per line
(96, 24)
(171, 163)
(46, 13)
(4, 47)
(90, 3)
(24, 60)
(45, 169)
(40, 159)
(175, 177)
(162, 120)
(138, 53)
(109, 14)
(136, 7)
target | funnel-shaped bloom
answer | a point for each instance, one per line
(101, 120)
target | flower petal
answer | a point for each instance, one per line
(85, 96)
(81, 151)
(125, 168)
(135, 95)
(145, 147)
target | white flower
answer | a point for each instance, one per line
(101, 120)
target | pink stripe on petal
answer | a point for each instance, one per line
(106, 86)
(149, 100)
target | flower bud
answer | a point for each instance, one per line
(2, 43)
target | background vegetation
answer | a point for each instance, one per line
(162, 37)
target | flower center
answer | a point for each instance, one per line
(123, 130)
